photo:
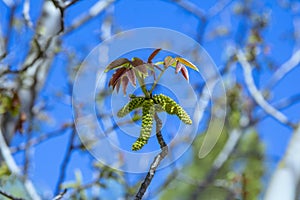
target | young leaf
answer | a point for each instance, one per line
(117, 64)
(179, 66)
(169, 61)
(137, 62)
(187, 63)
(185, 73)
(116, 77)
(153, 54)
(124, 83)
(131, 76)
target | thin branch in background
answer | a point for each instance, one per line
(8, 3)
(288, 66)
(9, 160)
(198, 13)
(156, 161)
(191, 8)
(25, 12)
(218, 7)
(61, 7)
(64, 164)
(282, 104)
(30, 118)
(60, 195)
(84, 187)
(256, 94)
(70, 3)
(11, 17)
(8, 196)
(41, 138)
(95, 10)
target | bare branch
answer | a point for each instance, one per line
(95, 10)
(40, 139)
(191, 8)
(218, 7)
(26, 9)
(288, 66)
(64, 164)
(60, 195)
(70, 3)
(256, 94)
(156, 161)
(281, 104)
(283, 184)
(9, 196)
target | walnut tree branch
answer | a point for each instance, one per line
(156, 160)
(256, 94)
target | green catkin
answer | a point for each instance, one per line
(135, 103)
(147, 123)
(171, 107)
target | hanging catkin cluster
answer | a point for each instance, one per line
(171, 107)
(147, 123)
(135, 103)
(149, 106)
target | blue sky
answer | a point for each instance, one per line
(130, 14)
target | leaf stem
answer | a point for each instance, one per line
(156, 81)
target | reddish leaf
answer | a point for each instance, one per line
(117, 63)
(124, 84)
(131, 76)
(118, 86)
(179, 66)
(185, 73)
(137, 62)
(153, 54)
(116, 76)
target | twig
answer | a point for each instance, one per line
(288, 66)
(256, 94)
(25, 12)
(281, 104)
(197, 12)
(40, 139)
(70, 3)
(191, 8)
(156, 161)
(60, 195)
(9, 196)
(65, 162)
(218, 7)
(93, 11)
